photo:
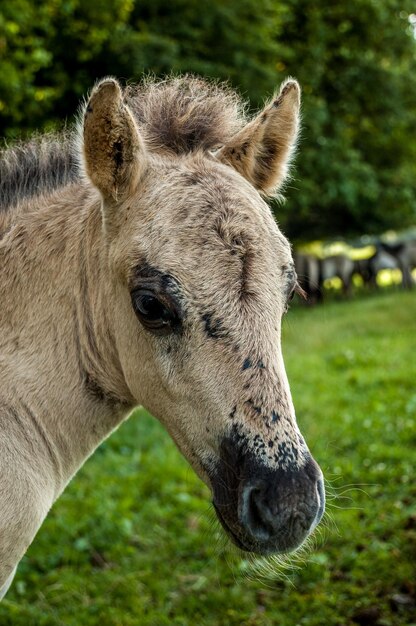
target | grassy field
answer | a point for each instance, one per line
(133, 540)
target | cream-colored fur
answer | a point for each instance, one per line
(74, 358)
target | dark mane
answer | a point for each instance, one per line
(38, 166)
(179, 114)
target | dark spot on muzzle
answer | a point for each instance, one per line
(266, 510)
(247, 363)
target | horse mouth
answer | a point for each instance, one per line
(230, 532)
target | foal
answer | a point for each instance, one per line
(141, 265)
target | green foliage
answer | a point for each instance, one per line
(23, 54)
(355, 60)
(132, 540)
(53, 52)
(356, 170)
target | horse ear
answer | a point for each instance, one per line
(114, 153)
(262, 150)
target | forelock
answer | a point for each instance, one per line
(184, 114)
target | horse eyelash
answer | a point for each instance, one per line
(300, 292)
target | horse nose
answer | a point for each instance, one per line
(281, 511)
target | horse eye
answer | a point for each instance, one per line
(159, 317)
(150, 308)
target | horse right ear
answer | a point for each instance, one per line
(114, 153)
(262, 150)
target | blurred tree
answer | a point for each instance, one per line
(227, 39)
(51, 52)
(356, 168)
(23, 54)
(356, 62)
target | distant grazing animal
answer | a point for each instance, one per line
(313, 272)
(340, 266)
(153, 273)
(308, 272)
(369, 268)
(405, 254)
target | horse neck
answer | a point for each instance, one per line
(59, 361)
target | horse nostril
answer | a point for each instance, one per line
(255, 515)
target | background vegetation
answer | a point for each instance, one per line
(355, 60)
(133, 541)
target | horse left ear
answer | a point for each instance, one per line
(262, 150)
(113, 150)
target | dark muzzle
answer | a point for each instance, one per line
(268, 510)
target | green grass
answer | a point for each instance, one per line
(133, 541)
